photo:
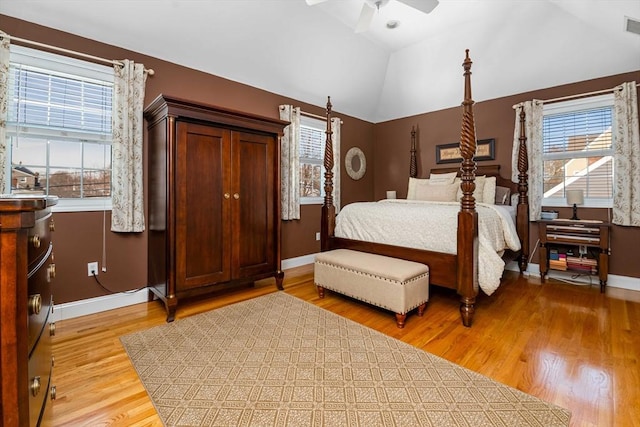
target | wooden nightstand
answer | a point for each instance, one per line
(581, 246)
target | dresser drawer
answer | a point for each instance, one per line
(40, 298)
(40, 369)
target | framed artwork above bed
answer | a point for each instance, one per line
(450, 153)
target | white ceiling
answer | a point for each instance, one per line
(308, 52)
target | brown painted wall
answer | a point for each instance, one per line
(494, 119)
(78, 237)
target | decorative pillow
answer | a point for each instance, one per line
(436, 192)
(503, 195)
(442, 178)
(413, 184)
(478, 193)
(489, 192)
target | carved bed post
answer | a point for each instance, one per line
(467, 277)
(328, 220)
(522, 211)
(413, 161)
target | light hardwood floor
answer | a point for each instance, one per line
(566, 344)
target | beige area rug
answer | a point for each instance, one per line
(279, 361)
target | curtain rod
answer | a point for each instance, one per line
(314, 116)
(578, 96)
(149, 71)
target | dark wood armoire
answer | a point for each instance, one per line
(214, 199)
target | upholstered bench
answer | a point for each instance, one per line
(391, 283)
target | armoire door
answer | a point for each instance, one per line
(254, 197)
(203, 205)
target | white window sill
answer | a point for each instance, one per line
(312, 200)
(594, 203)
(82, 205)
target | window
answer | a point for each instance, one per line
(577, 151)
(312, 143)
(59, 128)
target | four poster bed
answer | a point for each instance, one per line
(456, 269)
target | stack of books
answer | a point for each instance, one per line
(588, 265)
(557, 260)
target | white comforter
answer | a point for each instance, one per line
(432, 226)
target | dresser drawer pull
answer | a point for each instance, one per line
(35, 241)
(52, 226)
(52, 271)
(35, 386)
(53, 392)
(52, 329)
(35, 304)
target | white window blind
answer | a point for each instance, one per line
(578, 150)
(59, 125)
(312, 142)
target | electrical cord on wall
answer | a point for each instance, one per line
(132, 291)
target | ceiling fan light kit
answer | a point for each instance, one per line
(370, 7)
(393, 24)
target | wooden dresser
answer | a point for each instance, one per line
(214, 199)
(26, 304)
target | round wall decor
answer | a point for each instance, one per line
(356, 163)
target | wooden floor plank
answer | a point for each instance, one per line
(566, 344)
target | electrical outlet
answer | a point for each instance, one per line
(318, 236)
(92, 268)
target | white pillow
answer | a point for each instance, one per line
(489, 192)
(413, 184)
(442, 178)
(436, 192)
(478, 193)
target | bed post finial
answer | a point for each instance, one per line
(328, 220)
(413, 162)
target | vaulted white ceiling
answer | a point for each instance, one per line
(308, 52)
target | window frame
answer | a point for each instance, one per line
(320, 125)
(577, 105)
(54, 63)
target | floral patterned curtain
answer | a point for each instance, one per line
(4, 101)
(290, 163)
(127, 193)
(533, 132)
(626, 157)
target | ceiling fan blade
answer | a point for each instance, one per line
(314, 2)
(425, 6)
(366, 16)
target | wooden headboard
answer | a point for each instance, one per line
(488, 170)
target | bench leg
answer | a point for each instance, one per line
(400, 318)
(421, 308)
(320, 291)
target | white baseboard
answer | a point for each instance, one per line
(83, 307)
(613, 280)
(298, 261)
(69, 310)
(73, 309)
